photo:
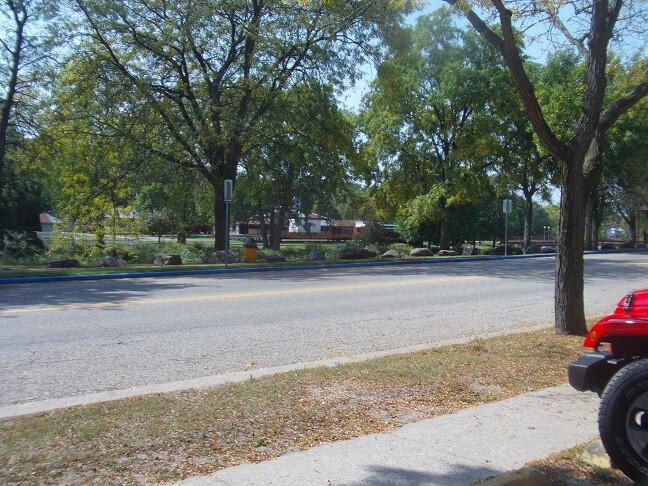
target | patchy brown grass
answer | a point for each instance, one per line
(576, 467)
(168, 437)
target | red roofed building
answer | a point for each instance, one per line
(47, 222)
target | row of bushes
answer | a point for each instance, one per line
(27, 250)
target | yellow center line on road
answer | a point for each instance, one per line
(236, 295)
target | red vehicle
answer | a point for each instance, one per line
(617, 369)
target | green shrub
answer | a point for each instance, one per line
(333, 251)
(120, 251)
(143, 252)
(291, 254)
(66, 246)
(373, 236)
(265, 252)
(190, 253)
(195, 252)
(402, 248)
(22, 246)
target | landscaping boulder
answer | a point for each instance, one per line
(316, 255)
(112, 262)
(390, 254)
(499, 250)
(533, 249)
(421, 252)
(356, 254)
(446, 253)
(627, 244)
(547, 249)
(64, 263)
(167, 260)
(608, 246)
(221, 257)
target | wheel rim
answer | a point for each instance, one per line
(637, 425)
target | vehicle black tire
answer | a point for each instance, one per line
(623, 420)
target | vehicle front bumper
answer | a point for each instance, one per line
(592, 371)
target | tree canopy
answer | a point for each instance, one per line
(209, 72)
(427, 121)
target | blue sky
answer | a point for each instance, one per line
(352, 97)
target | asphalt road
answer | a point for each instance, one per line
(70, 338)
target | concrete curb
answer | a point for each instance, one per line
(205, 382)
(278, 268)
(235, 270)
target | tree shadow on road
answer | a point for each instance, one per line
(390, 476)
(113, 292)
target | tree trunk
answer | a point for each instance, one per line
(590, 226)
(634, 237)
(592, 173)
(183, 227)
(19, 14)
(569, 285)
(631, 220)
(272, 225)
(263, 229)
(528, 219)
(277, 229)
(220, 224)
(444, 237)
(597, 229)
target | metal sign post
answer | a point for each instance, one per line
(507, 207)
(227, 191)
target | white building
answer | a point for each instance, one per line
(313, 223)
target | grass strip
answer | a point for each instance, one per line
(162, 438)
(586, 465)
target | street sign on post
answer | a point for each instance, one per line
(507, 208)
(227, 189)
(227, 197)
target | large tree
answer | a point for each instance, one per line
(25, 45)
(300, 159)
(624, 186)
(621, 78)
(13, 41)
(426, 116)
(577, 155)
(92, 169)
(210, 71)
(521, 165)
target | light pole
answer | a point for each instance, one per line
(546, 232)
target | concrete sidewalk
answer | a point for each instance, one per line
(458, 449)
